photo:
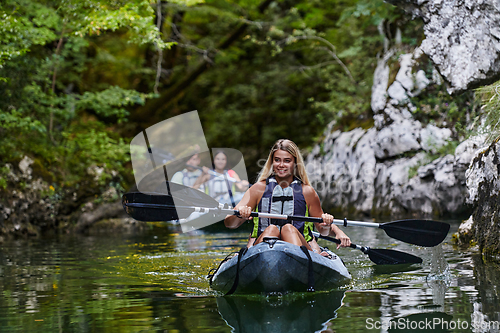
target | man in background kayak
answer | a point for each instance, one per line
(283, 188)
(190, 173)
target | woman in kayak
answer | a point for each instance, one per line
(283, 188)
(222, 184)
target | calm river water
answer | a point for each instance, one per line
(156, 281)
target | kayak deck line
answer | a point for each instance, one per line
(278, 268)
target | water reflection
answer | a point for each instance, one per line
(289, 313)
(486, 313)
(156, 281)
(422, 322)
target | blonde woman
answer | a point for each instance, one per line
(284, 188)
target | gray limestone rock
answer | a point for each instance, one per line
(462, 39)
(379, 87)
(433, 137)
(399, 137)
(386, 170)
(483, 183)
(398, 177)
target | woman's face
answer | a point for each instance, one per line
(283, 164)
(220, 161)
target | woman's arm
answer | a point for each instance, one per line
(335, 231)
(202, 179)
(315, 210)
(246, 205)
(326, 227)
(242, 185)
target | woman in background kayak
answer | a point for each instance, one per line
(283, 188)
(222, 184)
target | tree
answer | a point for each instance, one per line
(48, 109)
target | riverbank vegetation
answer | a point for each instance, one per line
(79, 79)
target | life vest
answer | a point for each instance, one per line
(217, 186)
(190, 177)
(284, 201)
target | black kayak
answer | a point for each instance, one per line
(275, 266)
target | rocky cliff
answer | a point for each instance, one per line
(463, 41)
(391, 168)
(462, 38)
(483, 183)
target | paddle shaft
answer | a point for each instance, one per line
(376, 255)
(223, 211)
(337, 241)
(216, 174)
(379, 256)
(418, 232)
(253, 214)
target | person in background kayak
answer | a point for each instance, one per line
(222, 186)
(283, 187)
(190, 173)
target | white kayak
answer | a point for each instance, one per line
(275, 266)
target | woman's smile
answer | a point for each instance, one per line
(283, 164)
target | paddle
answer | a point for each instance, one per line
(154, 207)
(216, 174)
(419, 232)
(379, 256)
(159, 207)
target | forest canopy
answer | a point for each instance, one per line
(80, 78)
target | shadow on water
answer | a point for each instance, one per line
(289, 313)
(390, 269)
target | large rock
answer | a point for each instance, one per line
(350, 178)
(483, 183)
(343, 172)
(462, 39)
(387, 170)
(40, 207)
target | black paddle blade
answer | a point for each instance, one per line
(392, 257)
(165, 206)
(419, 232)
(140, 206)
(153, 207)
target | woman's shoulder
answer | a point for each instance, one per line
(308, 190)
(255, 193)
(258, 186)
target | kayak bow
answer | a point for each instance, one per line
(278, 267)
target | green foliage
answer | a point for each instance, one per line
(110, 102)
(436, 106)
(25, 24)
(48, 109)
(489, 96)
(373, 13)
(76, 76)
(299, 66)
(4, 171)
(104, 155)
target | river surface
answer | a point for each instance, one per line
(156, 281)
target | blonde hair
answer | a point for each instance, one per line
(290, 147)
